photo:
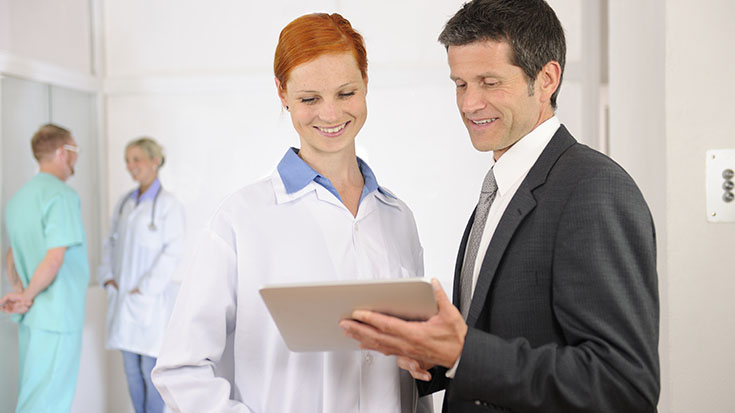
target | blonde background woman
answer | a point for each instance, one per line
(140, 256)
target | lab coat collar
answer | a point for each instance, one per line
(367, 205)
(295, 178)
(295, 173)
(387, 197)
(149, 194)
(323, 194)
(283, 195)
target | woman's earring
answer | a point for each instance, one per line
(286, 108)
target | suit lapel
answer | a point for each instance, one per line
(520, 206)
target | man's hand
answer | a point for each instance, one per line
(417, 369)
(419, 345)
(110, 282)
(15, 303)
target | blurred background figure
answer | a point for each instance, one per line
(48, 270)
(140, 256)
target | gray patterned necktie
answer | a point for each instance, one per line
(489, 188)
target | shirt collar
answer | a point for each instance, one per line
(371, 183)
(297, 174)
(515, 163)
(149, 194)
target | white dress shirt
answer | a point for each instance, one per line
(261, 235)
(510, 171)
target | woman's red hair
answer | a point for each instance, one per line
(313, 35)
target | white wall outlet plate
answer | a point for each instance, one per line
(720, 185)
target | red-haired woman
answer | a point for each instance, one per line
(321, 216)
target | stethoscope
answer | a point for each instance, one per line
(152, 226)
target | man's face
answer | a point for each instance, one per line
(71, 157)
(493, 95)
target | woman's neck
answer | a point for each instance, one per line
(144, 186)
(342, 171)
(340, 168)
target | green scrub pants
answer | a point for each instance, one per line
(48, 364)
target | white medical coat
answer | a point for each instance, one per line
(136, 257)
(263, 235)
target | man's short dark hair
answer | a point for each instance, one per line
(530, 27)
(48, 139)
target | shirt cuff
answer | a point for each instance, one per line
(451, 372)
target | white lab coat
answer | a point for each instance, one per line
(137, 257)
(263, 235)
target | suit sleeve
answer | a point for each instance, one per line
(605, 301)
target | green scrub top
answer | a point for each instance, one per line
(46, 213)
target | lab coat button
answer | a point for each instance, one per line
(368, 358)
(355, 227)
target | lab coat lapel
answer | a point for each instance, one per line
(282, 196)
(129, 212)
(324, 195)
(367, 206)
(520, 206)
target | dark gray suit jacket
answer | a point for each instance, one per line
(565, 313)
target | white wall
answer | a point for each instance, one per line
(579, 96)
(49, 41)
(699, 116)
(637, 128)
(49, 31)
(670, 101)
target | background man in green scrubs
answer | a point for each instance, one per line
(48, 269)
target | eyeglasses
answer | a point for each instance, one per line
(72, 148)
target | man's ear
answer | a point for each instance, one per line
(548, 80)
(59, 152)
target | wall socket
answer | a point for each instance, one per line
(720, 184)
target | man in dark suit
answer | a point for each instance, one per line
(555, 283)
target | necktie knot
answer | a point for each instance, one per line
(489, 185)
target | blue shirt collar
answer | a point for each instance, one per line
(296, 174)
(149, 194)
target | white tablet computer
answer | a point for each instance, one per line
(308, 315)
